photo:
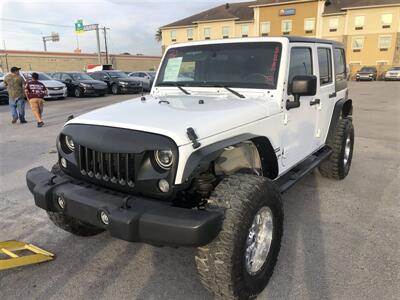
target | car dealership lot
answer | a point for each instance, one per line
(341, 239)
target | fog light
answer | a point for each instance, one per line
(61, 201)
(63, 162)
(163, 185)
(104, 217)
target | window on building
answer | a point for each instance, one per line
(357, 44)
(387, 20)
(225, 32)
(309, 25)
(190, 34)
(333, 24)
(325, 66)
(340, 64)
(245, 30)
(300, 63)
(265, 28)
(359, 22)
(286, 26)
(207, 33)
(173, 35)
(385, 42)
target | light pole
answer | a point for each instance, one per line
(54, 37)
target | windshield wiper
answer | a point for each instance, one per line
(177, 85)
(234, 92)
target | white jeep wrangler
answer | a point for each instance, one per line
(203, 160)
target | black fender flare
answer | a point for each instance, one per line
(343, 108)
(200, 160)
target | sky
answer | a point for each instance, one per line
(132, 23)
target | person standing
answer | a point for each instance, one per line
(15, 87)
(35, 92)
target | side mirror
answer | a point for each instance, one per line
(302, 85)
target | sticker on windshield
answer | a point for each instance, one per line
(172, 69)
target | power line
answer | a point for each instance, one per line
(35, 23)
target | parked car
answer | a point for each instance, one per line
(202, 163)
(393, 74)
(145, 77)
(3, 94)
(81, 84)
(118, 82)
(2, 76)
(367, 73)
(55, 88)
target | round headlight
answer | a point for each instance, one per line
(70, 143)
(164, 158)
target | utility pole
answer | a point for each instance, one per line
(98, 43)
(105, 42)
(5, 50)
(44, 44)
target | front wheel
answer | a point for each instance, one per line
(240, 261)
(115, 89)
(78, 92)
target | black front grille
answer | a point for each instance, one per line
(116, 168)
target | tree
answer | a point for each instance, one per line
(158, 35)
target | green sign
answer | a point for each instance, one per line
(79, 26)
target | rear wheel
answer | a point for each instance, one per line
(240, 261)
(337, 166)
(70, 224)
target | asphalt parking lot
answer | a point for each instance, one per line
(341, 239)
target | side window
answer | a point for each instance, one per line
(56, 76)
(340, 64)
(325, 66)
(65, 77)
(300, 63)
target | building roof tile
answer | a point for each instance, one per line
(239, 11)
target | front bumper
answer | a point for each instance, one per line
(127, 89)
(54, 94)
(138, 219)
(95, 91)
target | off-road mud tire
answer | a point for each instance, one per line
(334, 167)
(221, 264)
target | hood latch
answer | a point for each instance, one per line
(193, 137)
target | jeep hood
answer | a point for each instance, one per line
(171, 116)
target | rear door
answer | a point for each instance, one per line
(332, 86)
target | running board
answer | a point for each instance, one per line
(303, 169)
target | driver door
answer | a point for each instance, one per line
(298, 137)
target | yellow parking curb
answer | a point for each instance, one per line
(9, 248)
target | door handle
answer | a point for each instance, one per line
(315, 102)
(333, 95)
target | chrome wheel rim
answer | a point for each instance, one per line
(347, 150)
(259, 240)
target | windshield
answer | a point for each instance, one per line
(395, 69)
(117, 75)
(242, 65)
(42, 76)
(81, 76)
(152, 74)
(367, 70)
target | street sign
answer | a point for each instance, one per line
(55, 37)
(79, 28)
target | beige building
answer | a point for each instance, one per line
(58, 61)
(370, 29)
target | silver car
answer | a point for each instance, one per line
(393, 74)
(56, 89)
(145, 77)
